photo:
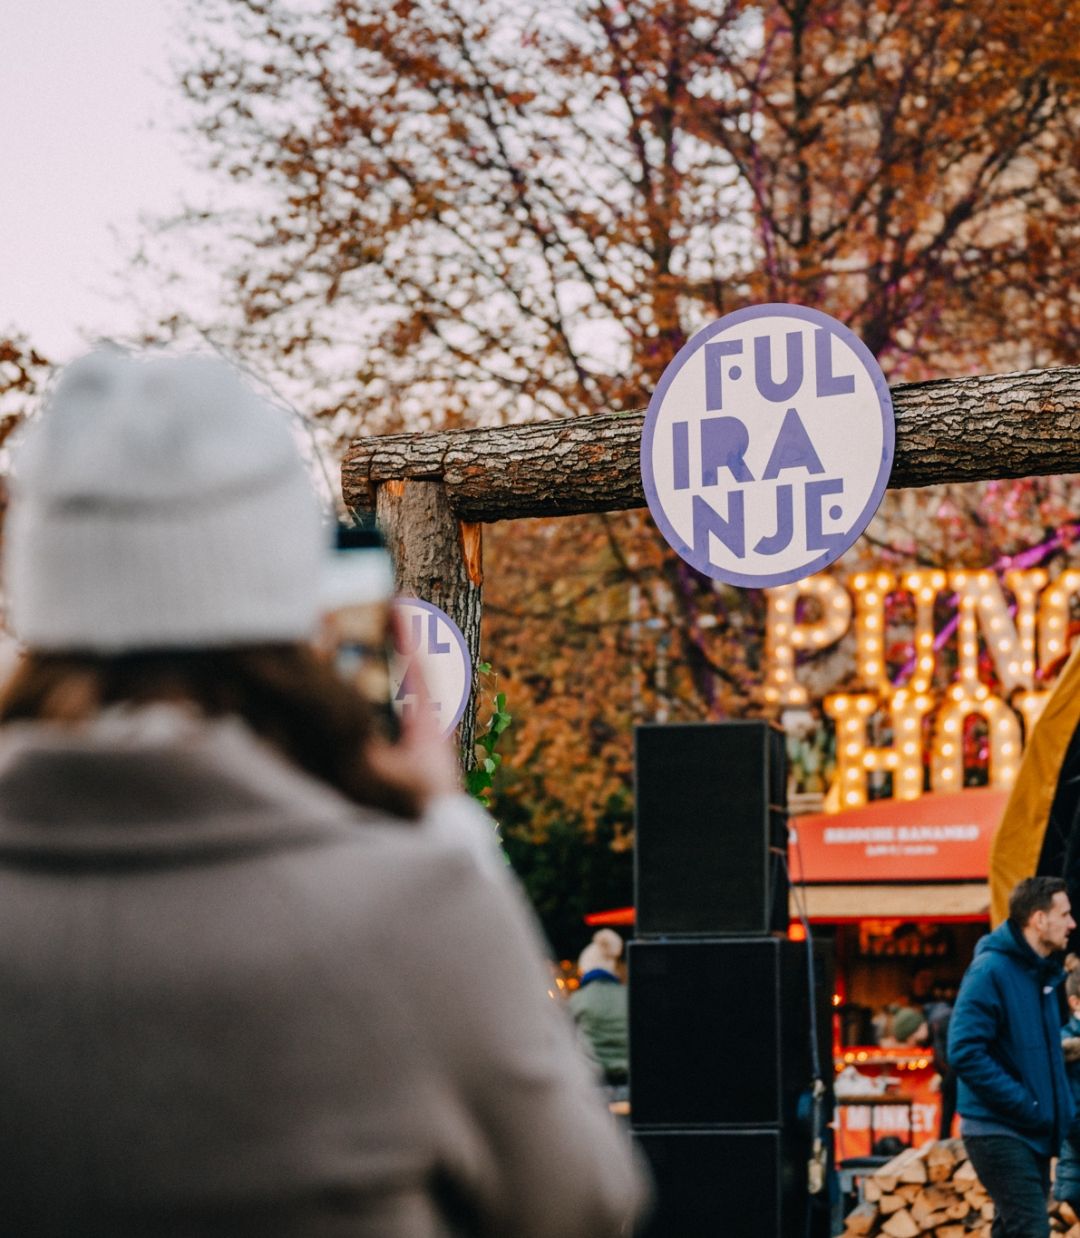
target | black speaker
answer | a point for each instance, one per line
(720, 1031)
(710, 840)
(730, 1184)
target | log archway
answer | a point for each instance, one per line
(433, 492)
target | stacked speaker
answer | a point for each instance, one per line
(720, 1000)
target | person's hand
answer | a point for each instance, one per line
(421, 757)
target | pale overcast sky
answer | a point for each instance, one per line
(87, 144)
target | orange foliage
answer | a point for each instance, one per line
(486, 211)
(22, 373)
(483, 211)
(597, 626)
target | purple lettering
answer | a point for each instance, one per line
(724, 441)
(781, 539)
(680, 450)
(732, 531)
(434, 645)
(763, 376)
(792, 449)
(714, 372)
(816, 537)
(827, 382)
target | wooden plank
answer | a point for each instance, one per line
(861, 1220)
(942, 1157)
(932, 1199)
(889, 1176)
(914, 1171)
(900, 1225)
(965, 1176)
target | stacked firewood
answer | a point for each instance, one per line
(932, 1190)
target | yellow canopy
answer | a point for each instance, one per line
(1014, 852)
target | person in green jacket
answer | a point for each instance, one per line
(599, 1008)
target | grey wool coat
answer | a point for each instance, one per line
(234, 1003)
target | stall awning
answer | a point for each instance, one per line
(833, 904)
(967, 900)
(938, 837)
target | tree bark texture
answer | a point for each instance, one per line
(436, 558)
(950, 430)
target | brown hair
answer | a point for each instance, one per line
(1072, 983)
(285, 693)
(1031, 895)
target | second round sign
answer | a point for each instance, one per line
(431, 647)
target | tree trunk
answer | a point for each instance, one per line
(949, 430)
(436, 558)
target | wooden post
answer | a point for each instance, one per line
(437, 557)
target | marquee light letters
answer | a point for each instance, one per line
(1035, 634)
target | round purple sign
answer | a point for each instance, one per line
(767, 445)
(430, 645)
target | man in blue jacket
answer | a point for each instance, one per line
(1005, 1046)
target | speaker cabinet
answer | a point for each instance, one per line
(730, 1184)
(720, 1031)
(710, 829)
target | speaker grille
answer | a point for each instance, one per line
(728, 1183)
(710, 829)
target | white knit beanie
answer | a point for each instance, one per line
(159, 503)
(602, 953)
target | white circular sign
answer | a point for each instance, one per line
(767, 445)
(430, 645)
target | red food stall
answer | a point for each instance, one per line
(901, 888)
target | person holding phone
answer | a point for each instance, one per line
(240, 981)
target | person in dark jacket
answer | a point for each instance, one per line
(1015, 1102)
(938, 1017)
(1067, 1177)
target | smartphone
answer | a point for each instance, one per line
(357, 632)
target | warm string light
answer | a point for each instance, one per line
(924, 586)
(784, 634)
(947, 759)
(981, 604)
(1037, 625)
(1026, 586)
(870, 592)
(855, 758)
(1054, 616)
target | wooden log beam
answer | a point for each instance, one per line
(951, 430)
